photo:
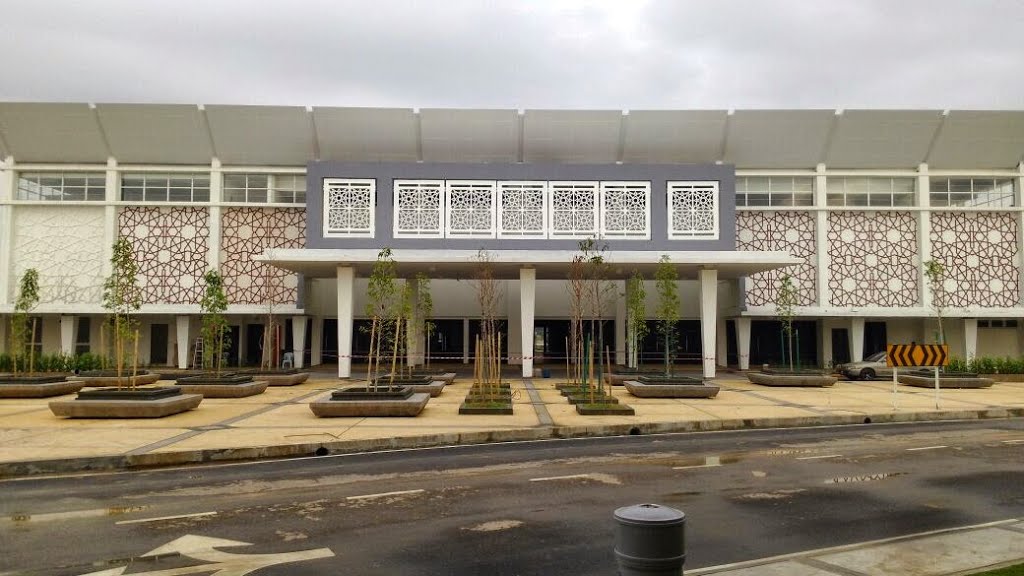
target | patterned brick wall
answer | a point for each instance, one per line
(979, 253)
(171, 247)
(790, 231)
(247, 232)
(65, 245)
(873, 259)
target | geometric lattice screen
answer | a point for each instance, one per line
(418, 209)
(348, 208)
(522, 209)
(693, 210)
(573, 209)
(470, 207)
(625, 210)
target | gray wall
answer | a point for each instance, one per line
(385, 173)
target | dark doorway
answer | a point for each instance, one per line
(474, 330)
(82, 338)
(157, 344)
(446, 341)
(732, 356)
(874, 338)
(767, 341)
(329, 341)
(840, 346)
(231, 354)
(254, 344)
(687, 344)
(549, 341)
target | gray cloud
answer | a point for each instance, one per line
(516, 54)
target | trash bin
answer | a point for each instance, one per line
(546, 373)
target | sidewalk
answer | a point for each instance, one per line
(279, 423)
(954, 552)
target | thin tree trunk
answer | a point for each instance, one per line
(369, 356)
(394, 351)
(135, 363)
(32, 351)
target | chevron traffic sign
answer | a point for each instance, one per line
(917, 355)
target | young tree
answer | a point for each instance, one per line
(488, 295)
(216, 338)
(600, 292)
(935, 271)
(667, 311)
(268, 360)
(785, 302)
(121, 298)
(577, 288)
(424, 314)
(23, 329)
(382, 296)
(636, 316)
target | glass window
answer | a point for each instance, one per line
(870, 191)
(972, 192)
(265, 188)
(774, 191)
(62, 186)
(162, 187)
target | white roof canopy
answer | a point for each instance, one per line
(293, 135)
(549, 264)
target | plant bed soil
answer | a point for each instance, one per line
(213, 378)
(577, 391)
(141, 393)
(37, 379)
(619, 376)
(99, 378)
(447, 377)
(223, 386)
(671, 390)
(605, 410)
(818, 380)
(597, 399)
(401, 380)
(945, 381)
(662, 379)
(265, 371)
(38, 386)
(486, 407)
(369, 393)
(367, 406)
(175, 375)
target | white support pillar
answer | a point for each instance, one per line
(67, 334)
(856, 339)
(708, 318)
(299, 339)
(465, 340)
(527, 296)
(112, 193)
(970, 338)
(8, 185)
(824, 261)
(1019, 201)
(743, 342)
(414, 330)
(924, 234)
(181, 334)
(216, 195)
(316, 347)
(346, 303)
(513, 341)
(620, 322)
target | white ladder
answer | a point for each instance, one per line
(197, 353)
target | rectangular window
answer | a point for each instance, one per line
(470, 207)
(163, 187)
(82, 335)
(418, 208)
(349, 207)
(972, 192)
(265, 188)
(870, 191)
(775, 191)
(693, 210)
(288, 189)
(625, 210)
(522, 209)
(62, 186)
(573, 209)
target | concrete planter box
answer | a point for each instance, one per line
(944, 382)
(1004, 377)
(38, 386)
(668, 390)
(113, 403)
(327, 407)
(212, 388)
(620, 378)
(433, 388)
(496, 407)
(783, 379)
(142, 379)
(278, 378)
(605, 410)
(446, 377)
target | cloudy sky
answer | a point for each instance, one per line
(619, 54)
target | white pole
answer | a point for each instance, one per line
(936, 387)
(895, 379)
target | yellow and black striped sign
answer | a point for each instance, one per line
(917, 355)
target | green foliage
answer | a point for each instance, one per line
(215, 331)
(383, 299)
(935, 272)
(425, 310)
(122, 297)
(667, 310)
(987, 365)
(785, 303)
(636, 314)
(22, 326)
(52, 362)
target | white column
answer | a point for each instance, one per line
(1019, 201)
(824, 295)
(708, 318)
(112, 193)
(620, 322)
(316, 347)
(856, 339)
(67, 334)
(299, 339)
(216, 186)
(514, 313)
(8, 184)
(181, 334)
(346, 303)
(924, 234)
(826, 342)
(743, 341)
(721, 342)
(527, 295)
(970, 338)
(414, 331)
(465, 341)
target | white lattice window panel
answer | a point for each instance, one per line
(573, 211)
(625, 210)
(522, 209)
(418, 206)
(349, 208)
(470, 207)
(693, 210)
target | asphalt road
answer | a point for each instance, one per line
(527, 508)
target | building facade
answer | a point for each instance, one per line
(292, 204)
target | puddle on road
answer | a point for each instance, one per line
(495, 526)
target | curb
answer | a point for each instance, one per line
(30, 468)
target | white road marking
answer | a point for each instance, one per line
(569, 477)
(495, 525)
(72, 514)
(157, 519)
(926, 448)
(820, 457)
(384, 494)
(709, 462)
(1021, 441)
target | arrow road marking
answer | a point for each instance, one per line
(221, 563)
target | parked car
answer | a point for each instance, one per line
(867, 369)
